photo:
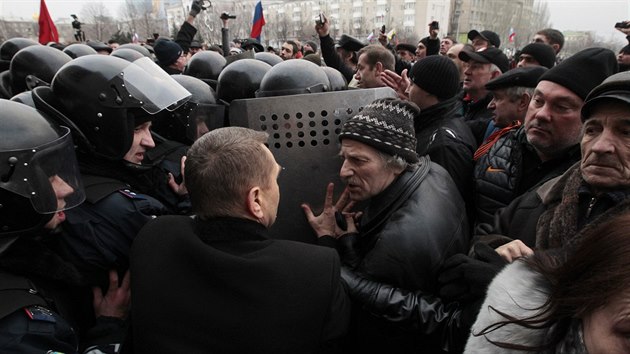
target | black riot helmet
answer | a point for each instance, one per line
(268, 58)
(127, 53)
(293, 77)
(336, 79)
(241, 79)
(137, 47)
(206, 65)
(25, 97)
(198, 115)
(103, 98)
(10, 47)
(39, 174)
(35, 66)
(78, 50)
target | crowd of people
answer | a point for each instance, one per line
(483, 210)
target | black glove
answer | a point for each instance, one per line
(464, 278)
(196, 8)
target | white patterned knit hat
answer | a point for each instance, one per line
(387, 126)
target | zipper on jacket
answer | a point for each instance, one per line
(591, 204)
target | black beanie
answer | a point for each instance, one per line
(437, 75)
(543, 53)
(584, 70)
(166, 51)
(386, 125)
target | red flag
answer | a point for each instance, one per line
(47, 29)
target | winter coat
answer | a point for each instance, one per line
(405, 235)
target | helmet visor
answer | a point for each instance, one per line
(204, 118)
(157, 90)
(47, 175)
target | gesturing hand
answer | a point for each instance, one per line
(325, 224)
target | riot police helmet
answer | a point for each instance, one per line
(268, 58)
(198, 115)
(103, 98)
(127, 53)
(76, 50)
(206, 65)
(137, 47)
(293, 77)
(35, 66)
(39, 175)
(241, 79)
(336, 79)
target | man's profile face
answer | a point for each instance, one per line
(421, 51)
(553, 121)
(605, 146)
(62, 191)
(476, 75)
(142, 141)
(504, 110)
(364, 171)
(366, 75)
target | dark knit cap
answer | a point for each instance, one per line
(583, 71)
(166, 51)
(616, 87)
(543, 53)
(312, 44)
(489, 55)
(437, 75)
(386, 125)
(489, 36)
(521, 77)
(625, 50)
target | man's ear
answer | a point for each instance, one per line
(254, 203)
(496, 74)
(523, 102)
(379, 67)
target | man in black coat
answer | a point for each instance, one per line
(414, 219)
(216, 282)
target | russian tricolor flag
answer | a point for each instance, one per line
(259, 22)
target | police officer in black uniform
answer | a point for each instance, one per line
(109, 103)
(45, 305)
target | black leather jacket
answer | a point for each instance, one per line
(405, 235)
(444, 136)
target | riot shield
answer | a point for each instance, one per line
(303, 132)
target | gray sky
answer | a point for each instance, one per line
(582, 15)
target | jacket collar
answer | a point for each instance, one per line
(230, 229)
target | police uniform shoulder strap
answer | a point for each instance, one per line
(17, 292)
(97, 187)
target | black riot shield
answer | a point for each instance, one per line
(303, 132)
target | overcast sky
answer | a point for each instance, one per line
(581, 15)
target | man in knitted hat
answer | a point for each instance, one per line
(309, 47)
(170, 56)
(413, 221)
(440, 129)
(537, 54)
